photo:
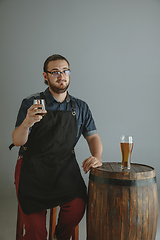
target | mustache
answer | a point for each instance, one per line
(62, 80)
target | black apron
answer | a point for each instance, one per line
(50, 175)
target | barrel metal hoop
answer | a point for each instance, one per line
(123, 182)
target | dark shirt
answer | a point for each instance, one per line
(85, 121)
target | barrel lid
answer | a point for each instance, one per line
(114, 170)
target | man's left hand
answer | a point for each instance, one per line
(91, 162)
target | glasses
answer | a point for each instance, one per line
(58, 73)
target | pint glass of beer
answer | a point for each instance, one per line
(126, 145)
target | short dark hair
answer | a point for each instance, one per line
(53, 58)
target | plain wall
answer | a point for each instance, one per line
(114, 50)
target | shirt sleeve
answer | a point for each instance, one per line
(89, 127)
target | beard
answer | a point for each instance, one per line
(57, 89)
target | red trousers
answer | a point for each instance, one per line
(35, 224)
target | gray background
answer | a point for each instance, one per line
(114, 50)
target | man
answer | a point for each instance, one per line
(47, 173)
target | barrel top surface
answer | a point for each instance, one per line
(114, 169)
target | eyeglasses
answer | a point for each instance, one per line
(58, 73)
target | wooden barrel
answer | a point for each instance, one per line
(122, 205)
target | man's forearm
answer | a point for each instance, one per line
(95, 146)
(20, 135)
(96, 149)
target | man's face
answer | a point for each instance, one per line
(58, 84)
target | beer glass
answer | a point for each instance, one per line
(42, 101)
(126, 146)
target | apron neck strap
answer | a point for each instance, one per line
(73, 107)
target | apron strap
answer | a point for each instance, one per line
(11, 146)
(73, 107)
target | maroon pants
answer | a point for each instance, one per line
(35, 224)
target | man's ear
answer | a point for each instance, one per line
(45, 76)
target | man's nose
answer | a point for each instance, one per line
(61, 74)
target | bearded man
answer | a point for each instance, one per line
(47, 173)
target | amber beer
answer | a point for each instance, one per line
(126, 146)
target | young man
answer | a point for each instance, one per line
(47, 173)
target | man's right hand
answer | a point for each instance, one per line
(34, 114)
(20, 134)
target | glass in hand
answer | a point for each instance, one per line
(42, 102)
